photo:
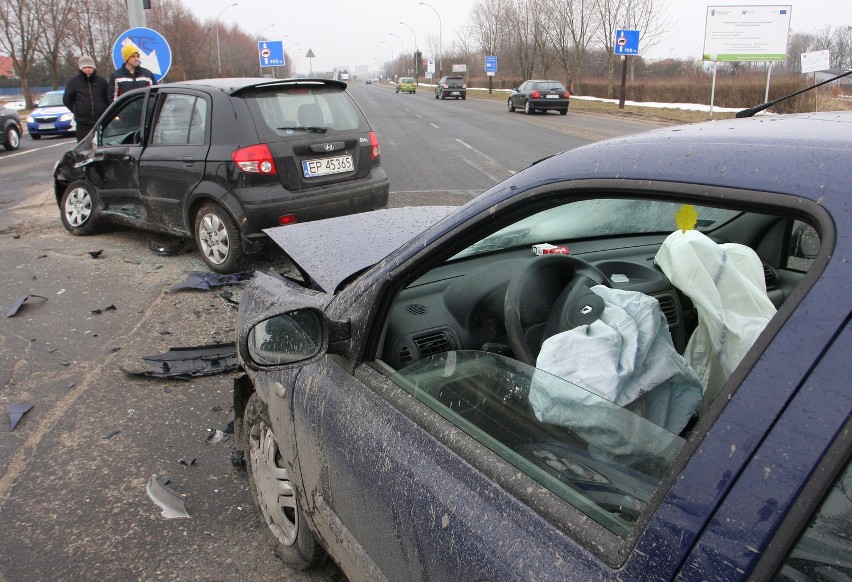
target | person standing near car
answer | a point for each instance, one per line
(86, 96)
(130, 75)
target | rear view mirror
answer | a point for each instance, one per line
(290, 337)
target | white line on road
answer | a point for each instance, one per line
(433, 125)
(65, 143)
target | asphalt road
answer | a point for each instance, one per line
(73, 473)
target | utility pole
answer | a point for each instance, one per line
(136, 13)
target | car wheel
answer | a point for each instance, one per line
(527, 109)
(443, 96)
(35, 135)
(464, 97)
(273, 491)
(511, 107)
(12, 140)
(80, 208)
(218, 238)
(563, 112)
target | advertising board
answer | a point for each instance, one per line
(746, 33)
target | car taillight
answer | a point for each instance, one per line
(374, 146)
(566, 95)
(255, 159)
(535, 95)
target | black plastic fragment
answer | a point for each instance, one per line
(206, 281)
(187, 362)
(16, 413)
(99, 311)
(110, 434)
(96, 254)
(13, 310)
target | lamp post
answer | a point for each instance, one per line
(259, 38)
(415, 50)
(391, 50)
(401, 47)
(440, 40)
(218, 53)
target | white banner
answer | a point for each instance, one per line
(746, 33)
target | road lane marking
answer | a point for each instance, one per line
(37, 149)
(433, 125)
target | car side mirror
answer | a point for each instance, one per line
(286, 338)
(805, 241)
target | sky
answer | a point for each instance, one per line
(347, 33)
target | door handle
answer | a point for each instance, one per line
(188, 160)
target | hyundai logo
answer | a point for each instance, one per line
(329, 147)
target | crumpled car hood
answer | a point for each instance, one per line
(332, 249)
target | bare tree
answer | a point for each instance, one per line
(609, 13)
(649, 18)
(20, 32)
(56, 21)
(520, 25)
(572, 25)
(94, 29)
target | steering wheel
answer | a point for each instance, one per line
(553, 290)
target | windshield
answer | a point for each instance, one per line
(602, 458)
(295, 110)
(594, 218)
(51, 100)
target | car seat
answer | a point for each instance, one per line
(727, 286)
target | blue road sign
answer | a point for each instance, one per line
(490, 64)
(154, 52)
(270, 53)
(627, 42)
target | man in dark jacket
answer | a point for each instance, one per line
(130, 75)
(86, 96)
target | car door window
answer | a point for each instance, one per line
(824, 551)
(181, 121)
(604, 407)
(122, 127)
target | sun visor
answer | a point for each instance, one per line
(332, 249)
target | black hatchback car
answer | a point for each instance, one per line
(219, 160)
(540, 95)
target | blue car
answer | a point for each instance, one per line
(627, 362)
(51, 117)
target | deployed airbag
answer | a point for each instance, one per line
(727, 286)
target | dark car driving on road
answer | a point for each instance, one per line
(534, 96)
(451, 86)
(220, 160)
(628, 361)
(10, 124)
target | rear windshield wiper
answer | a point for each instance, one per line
(315, 128)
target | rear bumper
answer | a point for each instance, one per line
(260, 207)
(452, 92)
(557, 104)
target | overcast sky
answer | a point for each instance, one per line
(346, 33)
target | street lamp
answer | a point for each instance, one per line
(218, 53)
(415, 49)
(401, 47)
(259, 38)
(384, 42)
(440, 40)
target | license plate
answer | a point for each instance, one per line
(326, 166)
(47, 126)
(454, 93)
(553, 96)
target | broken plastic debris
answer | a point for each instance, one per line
(206, 281)
(96, 254)
(167, 248)
(189, 463)
(16, 413)
(110, 434)
(167, 498)
(216, 436)
(12, 311)
(188, 362)
(99, 311)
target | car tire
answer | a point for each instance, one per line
(563, 112)
(12, 139)
(443, 96)
(273, 492)
(218, 238)
(436, 95)
(80, 208)
(35, 136)
(511, 107)
(527, 109)
(464, 97)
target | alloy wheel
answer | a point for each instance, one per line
(214, 240)
(78, 207)
(272, 482)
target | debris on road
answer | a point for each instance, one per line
(190, 462)
(16, 413)
(167, 498)
(110, 434)
(187, 362)
(206, 281)
(96, 254)
(12, 311)
(99, 311)
(216, 436)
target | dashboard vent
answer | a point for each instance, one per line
(434, 343)
(770, 276)
(416, 309)
(669, 308)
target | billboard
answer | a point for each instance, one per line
(746, 33)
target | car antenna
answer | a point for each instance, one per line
(751, 111)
